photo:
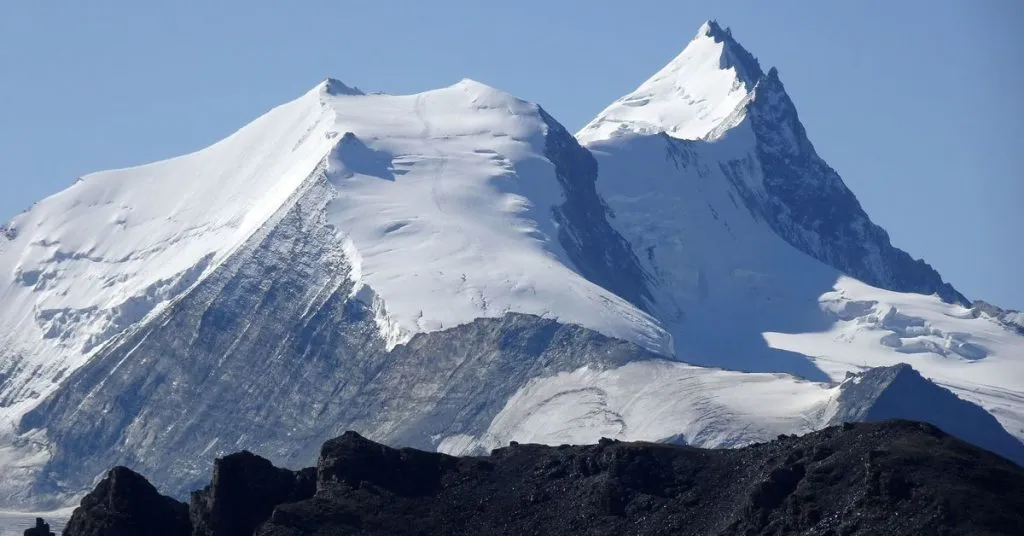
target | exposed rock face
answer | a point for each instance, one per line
(810, 207)
(124, 503)
(244, 490)
(900, 392)
(893, 477)
(1010, 318)
(600, 253)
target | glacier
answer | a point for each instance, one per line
(454, 270)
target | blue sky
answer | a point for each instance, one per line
(916, 103)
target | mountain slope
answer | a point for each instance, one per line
(400, 215)
(750, 240)
(461, 195)
(89, 262)
(900, 392)
(85, 264)
(715, 86)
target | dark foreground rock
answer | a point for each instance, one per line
(42, 528)
(124, 503)
(885, 478)
(244, 491)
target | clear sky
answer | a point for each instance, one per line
(917, 104)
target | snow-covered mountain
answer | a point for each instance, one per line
(454, 270)
(750, 240)
(323, 236)
(715, 89)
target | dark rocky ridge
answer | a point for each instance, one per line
(42, 528)
(125, 504)
(244, 491)
(811, 207)
(597, 250)
(895, 477)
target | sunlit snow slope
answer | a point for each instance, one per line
(82, 265)
(690, 98)
(448, 215)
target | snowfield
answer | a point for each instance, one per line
(654, 401)
(713, 408)
(446, 200)
(977, 358)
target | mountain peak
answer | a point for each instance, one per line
(711, 28)
(733, 56)
(481, 90)
(469, 83)
(690, 96)
(335, 87)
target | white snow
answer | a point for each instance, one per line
(445, 200)
(661, 400)
(688, 98)
(85, 264)
(653, 400)
(976, 358)
(735, 295)
(96, 258)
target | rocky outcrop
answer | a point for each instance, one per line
(895, 477)
(42, 528)
(124, 503)
(900, 392)
(244, 491)
(1008, 318)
